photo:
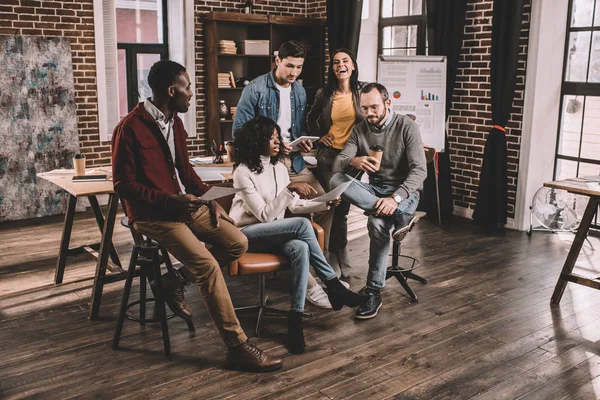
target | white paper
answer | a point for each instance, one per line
(61, 171)
(216, 192)
(207, 175)
(334, 194)
(296, 142)
(310, 160)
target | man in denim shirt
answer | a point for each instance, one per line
(278, 96)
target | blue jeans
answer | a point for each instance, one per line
(365, 196)
(294, 238)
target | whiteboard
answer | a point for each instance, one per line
(417, 88)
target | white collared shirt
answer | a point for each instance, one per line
(167, 130)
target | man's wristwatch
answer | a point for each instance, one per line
(397, 198)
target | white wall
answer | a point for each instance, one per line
(367, 43)
(542, 99)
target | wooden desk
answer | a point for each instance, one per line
(592, 190)
(101, 251)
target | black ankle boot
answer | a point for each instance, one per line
(296, 343)
(339, 296)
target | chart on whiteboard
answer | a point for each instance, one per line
(417, 89)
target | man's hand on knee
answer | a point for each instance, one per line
(217, 213)
(386, 207)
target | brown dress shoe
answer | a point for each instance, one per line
(248, 357)
(173, 293)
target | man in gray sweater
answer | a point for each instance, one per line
(388, 147)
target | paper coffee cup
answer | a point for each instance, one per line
(376, 152)
(230, 148)
(79, 164)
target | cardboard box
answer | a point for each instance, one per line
(255, 47)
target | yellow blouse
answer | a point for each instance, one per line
(342, 119)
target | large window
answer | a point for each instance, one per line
(578, 145)
(130, 36)
(142, 40)
(402, 27)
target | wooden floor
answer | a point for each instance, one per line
(483, 327)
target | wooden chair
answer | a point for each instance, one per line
(148, 256)
(262, 264)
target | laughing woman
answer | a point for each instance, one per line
(336, 110)
(259, 209)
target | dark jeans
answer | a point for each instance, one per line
(338, 239)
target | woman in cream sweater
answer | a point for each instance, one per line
(258, 209)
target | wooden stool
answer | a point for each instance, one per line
(149, 256)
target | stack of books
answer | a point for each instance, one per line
(226, 80)
(227, 47)
(232, 110)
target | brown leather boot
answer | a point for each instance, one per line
(173, 292)
(248, 357)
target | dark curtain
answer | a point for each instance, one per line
(343, 24)
(492, 198)
(445, 24)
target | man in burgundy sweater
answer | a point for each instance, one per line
(159, 188)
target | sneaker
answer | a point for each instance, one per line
(372, 306)
(324, 286)
(248, 357)
(403, 225)
(317, 297)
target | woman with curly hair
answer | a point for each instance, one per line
(335, 111)
(259, 209)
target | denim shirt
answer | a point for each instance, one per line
(261, 97)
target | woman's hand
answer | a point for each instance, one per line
(302, 188)
(287, 148)
(327, 140)
(334, 203)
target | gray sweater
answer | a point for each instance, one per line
(403, 164)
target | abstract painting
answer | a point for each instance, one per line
(38, 132)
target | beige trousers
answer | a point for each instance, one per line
(184, 242)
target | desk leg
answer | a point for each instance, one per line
(105, 244)
(582, 232)
(65, 240)
(114, 256)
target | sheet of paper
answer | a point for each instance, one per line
(61, 172)
(207, 175)
(310, 160)
(334, 194)
(216, 192)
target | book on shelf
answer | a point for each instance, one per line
(227, 47)
(225, 80)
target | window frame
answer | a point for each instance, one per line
(569, 88)
(419, 20)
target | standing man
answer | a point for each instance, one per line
(396, 172)
(279, 96)
(153, 176)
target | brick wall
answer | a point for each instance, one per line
(74, 20)
(470, 117)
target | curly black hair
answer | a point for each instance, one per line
(251, 141)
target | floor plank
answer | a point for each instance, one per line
(483, 327)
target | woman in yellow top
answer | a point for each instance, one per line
(334, 113)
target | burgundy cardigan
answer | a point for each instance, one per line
(143, 169)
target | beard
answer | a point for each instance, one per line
(378, 122)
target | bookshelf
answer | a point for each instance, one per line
(222, 27)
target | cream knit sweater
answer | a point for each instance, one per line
(264, 197)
